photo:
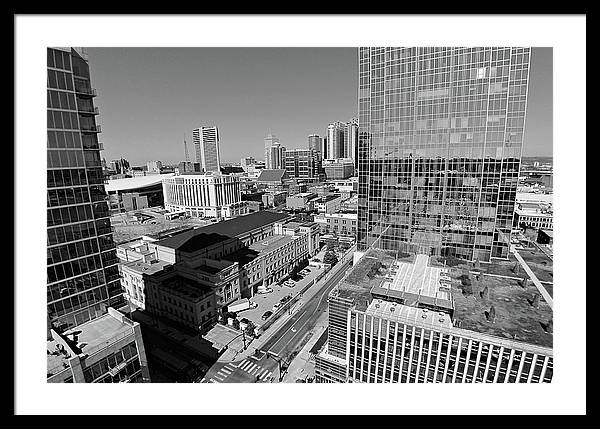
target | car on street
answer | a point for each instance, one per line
(276, 307)
(266, 315)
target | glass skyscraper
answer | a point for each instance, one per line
(440, 139)
(208, 150)
(82, 274)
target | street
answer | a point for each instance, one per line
(282, 345)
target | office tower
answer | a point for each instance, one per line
(339, 168)
(335, 140)
(87, 339)
(303, 163)
(324, 152)
(119, 166)
(274, 153)
(315, 143)
(83, 277)
(351, 140)
(206, 142)
(440, 138)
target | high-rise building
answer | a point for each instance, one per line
(315, 142)
(335, 140)
(87, 339)
(274, 153)
(324, 147)
(119, 166)
(83, 278)
(440, 138)
(351, 140)
(303, 163)
(208, 152)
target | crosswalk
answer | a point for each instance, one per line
(248, 366)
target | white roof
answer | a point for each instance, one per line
(135, 182)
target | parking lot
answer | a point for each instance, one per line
(268, 300)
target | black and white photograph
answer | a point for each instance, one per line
(264, 206)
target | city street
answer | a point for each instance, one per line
(282, 344)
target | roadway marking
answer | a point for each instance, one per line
(250, 368)
(225, 370)
(212, 381)
(219, 377)
(265, 375)
(244, 365)
(314, 311)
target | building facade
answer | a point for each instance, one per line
(440, 138)
(303, 164)
(315, 143)
(208, 152)
(351, 141)
(204, 195)
(274, 153)
(339, 168)
(82, 272)
(335, 140)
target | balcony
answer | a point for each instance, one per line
(88, 110)
(92, 129)
(86, 91)
(97, 146)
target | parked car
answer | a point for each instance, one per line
(266, 315)
(276, 307)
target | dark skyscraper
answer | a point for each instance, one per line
(82, 274)
(440, 138)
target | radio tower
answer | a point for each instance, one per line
(187, 155)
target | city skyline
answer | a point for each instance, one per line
(246, 93)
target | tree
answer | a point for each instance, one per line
(330, 258)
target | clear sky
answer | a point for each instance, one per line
(149, 97)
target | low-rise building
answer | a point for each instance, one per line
(108, 349)
(272, 179)
(338, 223)
(329, 203)
(274, 198)
(301, 201)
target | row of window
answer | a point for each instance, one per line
(70, 177)
(68, 196)
(59, 59)
(101, 367)
(69, 251)
(60, 80)
(73, 268)
(82, 283)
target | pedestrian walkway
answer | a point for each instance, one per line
(248, 366)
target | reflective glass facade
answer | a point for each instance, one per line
(440, 138)
(82, 273)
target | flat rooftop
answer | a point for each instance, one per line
(421, 317)
(97, 333)
(271, 243)
(146, 267)
(183, 286)
(521, 314)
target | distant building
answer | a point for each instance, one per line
(135, 193)
(315, 142)
(208, 152)
(328, 203)
(302, 201)
(273, 198)
(246, 162)
(337, 169)
(335, 140)
(274, 153)
(119, 166)
(154, 166)
(188, 167)
(204, 195)
(303, 164)
(338, 223)
(351, 141)
(272, 179)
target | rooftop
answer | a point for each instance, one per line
(138, 182)
(521, 314)
(183, 286)
(406, 314)
(271, 243)
(149, 268)
(99, 333)
(231, 228)
(271, 175)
